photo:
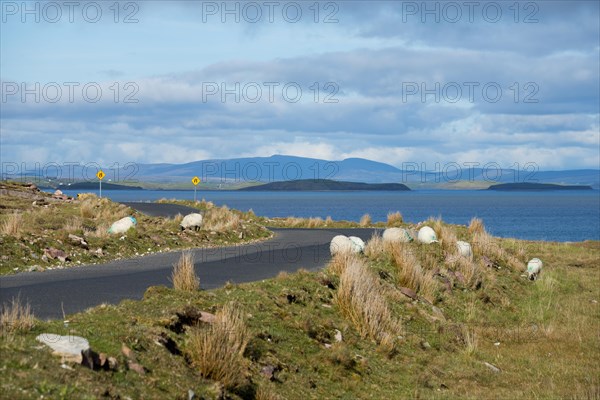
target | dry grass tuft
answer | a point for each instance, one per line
(315, 222)
(409, 272)
(361, 300)
(73, 225)
(447, 238)
(375, 247)
(340, 261)
(217, 350)
(86, 209)
(221, 219)
(184, 275)
(470, 339)
(394, 219)
(13, 225)
(486, 245)
(365, 220)
(16, 317)
(476, 226)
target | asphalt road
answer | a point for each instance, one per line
(159, 209)
(75, 289)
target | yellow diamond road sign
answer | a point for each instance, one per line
(195, 180)
(100, 175)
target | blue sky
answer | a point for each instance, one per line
(397, 81)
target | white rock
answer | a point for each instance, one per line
(396, 235)
(534, 267)
(464, 249)
(68, 347)
(427, 235)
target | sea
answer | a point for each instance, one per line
(562, 216)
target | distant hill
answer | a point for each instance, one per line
(324, 185)
(536, 187)
(232, 173)
(105, 186)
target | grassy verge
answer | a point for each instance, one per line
(31, 221)
(401, 321)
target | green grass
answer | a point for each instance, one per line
(49, 226)
(543, 335)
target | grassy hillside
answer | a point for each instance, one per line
(348, 332)
(31, 221)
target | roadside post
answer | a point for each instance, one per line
(100, 175)
(195, 181)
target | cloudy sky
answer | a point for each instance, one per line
(392, 81)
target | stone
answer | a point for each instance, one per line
(492, 367)
(460, 277)
(136, 367)
(487, 262)
(52, 253)
(91, 359)
(127, 352)
(69, 347)
(338, 336)
(268, 371)
(78, 241)
(408, 293)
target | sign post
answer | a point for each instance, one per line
(195, 181)
(100, 175)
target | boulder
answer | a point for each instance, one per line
(69, 347)
(52, 253)
(78, 241)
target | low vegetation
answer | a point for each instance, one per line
(403, 320)
(184, 275)
(32, 221)
(16, 317)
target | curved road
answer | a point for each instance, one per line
(78, 288)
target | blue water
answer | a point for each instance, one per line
(555, 216)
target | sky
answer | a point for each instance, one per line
(392, 81)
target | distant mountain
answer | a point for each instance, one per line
(324, 185)
(283, 168)
(526, 186)
(237, 172)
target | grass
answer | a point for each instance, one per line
(361, 300)
(12, 225)
(542, 335)
(184, 275)
(217, 350)
(365, 220)
(16, 318)
(394, 219)
(28, 229)
(342, 333)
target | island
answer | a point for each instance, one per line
(324, 185)
(529, 186)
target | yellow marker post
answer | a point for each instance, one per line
(195, 181)
(100, 175)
